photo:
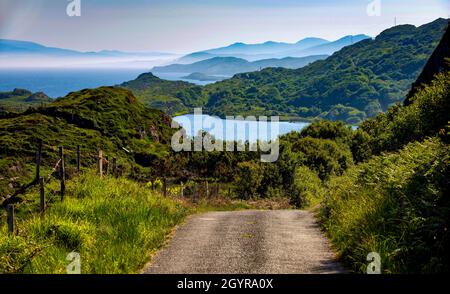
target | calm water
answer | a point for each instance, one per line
(174, 76)
(59, 82)
(243, 130)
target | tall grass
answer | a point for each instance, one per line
(397, 205)
(114, 224)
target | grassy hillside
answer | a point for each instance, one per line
(228, 66)
(366, 77)
(20, 99)
(359, 81)
(107, 118)
(172, 97)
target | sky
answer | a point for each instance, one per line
(182, 26)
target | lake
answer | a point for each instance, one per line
(243, 130)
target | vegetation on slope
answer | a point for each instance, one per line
(20, 99)
(114, 224)
(173, 97)
(367, 77)
(357, 82)
(107, 118)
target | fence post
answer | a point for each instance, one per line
(182, 190)
(107, 165)
(114, 162)
(78, 159)
(10, 216)
(194, 195)
(38, 160)
(42, 195)
(164, 186)
(100, 164)
(62, 172)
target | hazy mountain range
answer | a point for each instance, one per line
(270, 49)
(14, 53)
(228, 66)
(352, 84)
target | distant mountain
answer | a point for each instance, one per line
(15, 47)
(356, 82)
(228, 66)
(23, 53)
(327, 48)
(270, 49)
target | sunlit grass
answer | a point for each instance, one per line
(115, 225)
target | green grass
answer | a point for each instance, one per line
(115, 225)
(395, 204)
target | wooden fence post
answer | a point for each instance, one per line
(62, 172)
(10, 216)
(107, 165)
(194, 194)
(42, 195)
(164, 186)
(78, 159)
(38, 160)
(182, 189)
(100, 163)
(114, 163)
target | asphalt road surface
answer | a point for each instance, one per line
(247, 242)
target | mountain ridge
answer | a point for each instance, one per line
(228, 66)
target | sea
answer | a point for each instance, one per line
(59, 82)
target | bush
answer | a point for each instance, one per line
(397, 205)
(308, 188)
(249, 176)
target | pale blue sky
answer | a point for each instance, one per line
(184, 26)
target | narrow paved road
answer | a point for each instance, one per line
(247, 242)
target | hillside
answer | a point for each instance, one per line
(20, 99)
(106, 118)
(271, 49)
(356, 82)
(229, 66)
(172, 97)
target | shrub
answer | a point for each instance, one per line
(397, 205)
(249, 176)
(308, 188)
